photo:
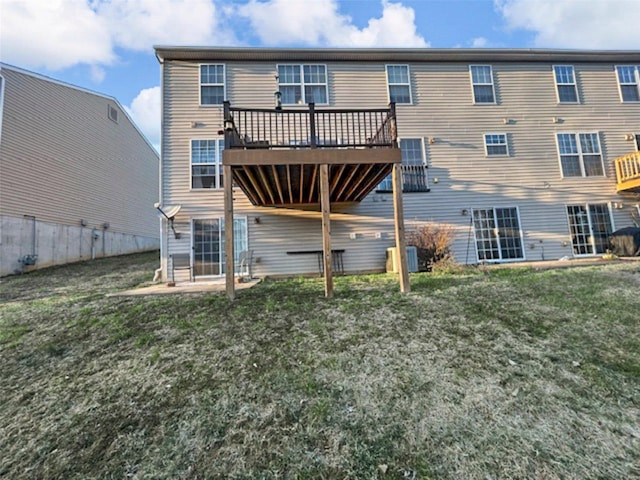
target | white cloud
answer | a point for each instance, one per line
(139, 24)
(278, 22)
(145, 111)
(55, 34)
(97, 73)
(585, 24)
(58, 34)
(479, 42)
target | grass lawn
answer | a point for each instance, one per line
(484, 374)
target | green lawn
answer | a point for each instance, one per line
(483, 374)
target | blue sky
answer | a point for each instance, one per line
(107, 45)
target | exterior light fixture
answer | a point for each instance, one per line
(277, 99)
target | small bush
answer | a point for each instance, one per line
(433, 242)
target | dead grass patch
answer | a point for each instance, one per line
(515, 374)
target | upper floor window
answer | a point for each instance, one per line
(206, 163)
(580, 155)
(482, 82)
(565, 83)
(629, 81)
(212, 84)
(496, 144)
(414, 168)
(301, 84)
(399, 84)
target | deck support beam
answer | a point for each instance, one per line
(325, 206)
(398, 214)
(228, 232)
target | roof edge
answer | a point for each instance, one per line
(392, 54)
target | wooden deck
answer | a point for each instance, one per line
(628, 173)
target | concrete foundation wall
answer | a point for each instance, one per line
(56, 244)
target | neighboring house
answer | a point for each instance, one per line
(514, 149)
(77, 178)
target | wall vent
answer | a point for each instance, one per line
(113, 114)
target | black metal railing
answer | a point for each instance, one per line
(414, 179)
(309, 128)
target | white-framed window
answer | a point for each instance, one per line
(414, 168)
(399, 84)
(206, 163)
(482, 84)
(580, 155)
(590, 226)
(495, 144)
(498, 234)
(629, 82)
(212, 84)
(566, 87)
(302, 84)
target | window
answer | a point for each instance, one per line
(495, 144)
(414, 168)
(590, 226)
(629, 81)
(212, 84)
(301, 84)
(206, 163)
(580, 155)
(497, 232)
(399, 84)
(565, 84)
(482, 81)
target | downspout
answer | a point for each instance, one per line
(161, 273)
(94, 237)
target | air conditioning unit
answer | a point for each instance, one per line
(393, 259)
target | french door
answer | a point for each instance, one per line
(208, 245)
(590, 226)
(498, 235)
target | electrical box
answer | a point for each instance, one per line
(393, 259)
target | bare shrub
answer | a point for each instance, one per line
(433, 242)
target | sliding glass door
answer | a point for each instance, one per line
(208, 245)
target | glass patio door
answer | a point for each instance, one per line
(498, 236)
(590, 227)
(208, 245)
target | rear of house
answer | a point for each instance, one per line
(78, 179)
(527, 155)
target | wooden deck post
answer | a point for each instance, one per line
(398, 214)
(325, 205)
(228, 232)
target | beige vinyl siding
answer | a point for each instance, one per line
(63, 159)
(528, 178)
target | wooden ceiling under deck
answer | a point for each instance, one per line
(290, 178)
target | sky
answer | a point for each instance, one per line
(107, 45)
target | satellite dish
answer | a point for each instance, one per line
(169, 212)
(172, 211)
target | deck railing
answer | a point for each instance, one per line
(628, 167)
(309, 128)
(414, 179)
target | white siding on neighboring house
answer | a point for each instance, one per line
(66, 162)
